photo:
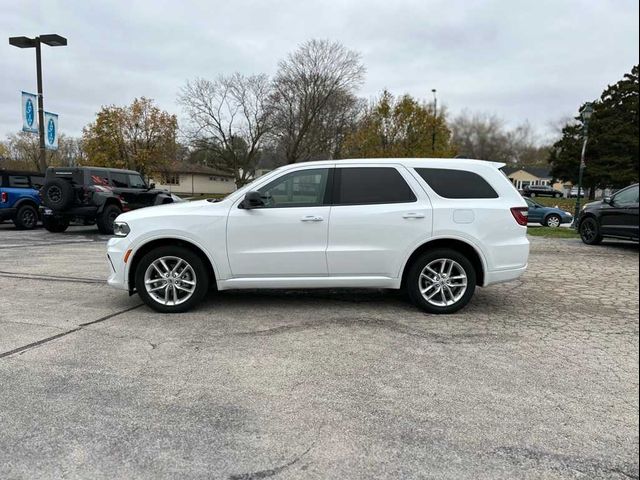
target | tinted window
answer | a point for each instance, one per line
(37, 181)
(136, 181)
(120, 180)
(297, 189)
(371, 185)
(456, 183)
(626, 197)
(99, 177)
(19, 181)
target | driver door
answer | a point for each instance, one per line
(287, 236)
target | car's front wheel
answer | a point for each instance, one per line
(553, 221)
(590, 231)
(441, 281)
(106, 218)
(171, 279)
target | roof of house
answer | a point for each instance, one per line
(196, 168)
(540, 172)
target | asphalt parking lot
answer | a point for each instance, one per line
(535, 379)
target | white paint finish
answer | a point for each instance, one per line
(352, 246)
(277, 241)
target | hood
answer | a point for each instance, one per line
(169, 209)
(591, 205)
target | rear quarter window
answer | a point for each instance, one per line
(457, 184)
(19, 181)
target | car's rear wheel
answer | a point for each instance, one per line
(26, 217)
(55, 224)
(590, 231)
(106, 218)
(553, 221)
(557, 195)
(171, 279)
(532, 194)
(441, 281)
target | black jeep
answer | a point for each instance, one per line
(94, 195)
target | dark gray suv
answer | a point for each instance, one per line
(94, 195)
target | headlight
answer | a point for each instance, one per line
(568, 213)
(120, 229)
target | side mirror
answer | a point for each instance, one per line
(252, 200)
(607, 200)
(152, 186)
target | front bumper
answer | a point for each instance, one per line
(116, 250)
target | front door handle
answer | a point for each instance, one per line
(311, 218)
(413, 215)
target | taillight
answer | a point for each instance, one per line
(4, 198)
(521, 214)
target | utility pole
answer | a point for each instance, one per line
(435, 120)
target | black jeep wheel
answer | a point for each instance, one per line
(106, 218)
(590, 231)
(26, 217)
(57, 194)
(55, 224)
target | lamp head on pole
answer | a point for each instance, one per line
(586, 112)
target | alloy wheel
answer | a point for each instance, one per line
(553, 221)
(170, 280)
(29, 218)
(443, 282)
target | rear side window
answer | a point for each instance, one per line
(120, 180)
(19, 181)
(371, 185)
(99, 177)
(456, 183)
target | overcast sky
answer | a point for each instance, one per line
(533, 60)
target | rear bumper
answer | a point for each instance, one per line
(501, 276)
(7, 213)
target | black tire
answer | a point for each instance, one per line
(414, 281)
(590, 231)
(553, 221)
(105, 219)
(557, 195)
(57, 194)
(55, 224)
(532, 195)
(26, 217)
(199, 272)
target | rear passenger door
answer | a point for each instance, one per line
(379, 214)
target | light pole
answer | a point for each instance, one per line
(585, 113)
(435, 120)
(53, 40)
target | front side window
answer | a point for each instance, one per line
(370, 186)
(136, 181)
(119, 180)
(457, 184)
(304, 188)
(626, 197)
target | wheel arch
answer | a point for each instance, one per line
(110, 201)
(26, 201)
(466, 248)
(143, 249)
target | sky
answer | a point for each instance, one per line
(534, 60)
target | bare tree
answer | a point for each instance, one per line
(314, 87)
(229, 118)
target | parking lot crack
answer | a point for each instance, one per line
(271, 471)
(32, 345)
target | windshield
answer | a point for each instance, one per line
(246, 188)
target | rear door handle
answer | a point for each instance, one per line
(413, 215)
(311, 218)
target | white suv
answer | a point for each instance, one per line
(437, 227)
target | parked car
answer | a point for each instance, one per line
(19, 198)
(541, 191)
(438, 227)
(548, 216)
(615, 217)
(573, 193)
(94, 195)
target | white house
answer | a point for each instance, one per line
(193, 179)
